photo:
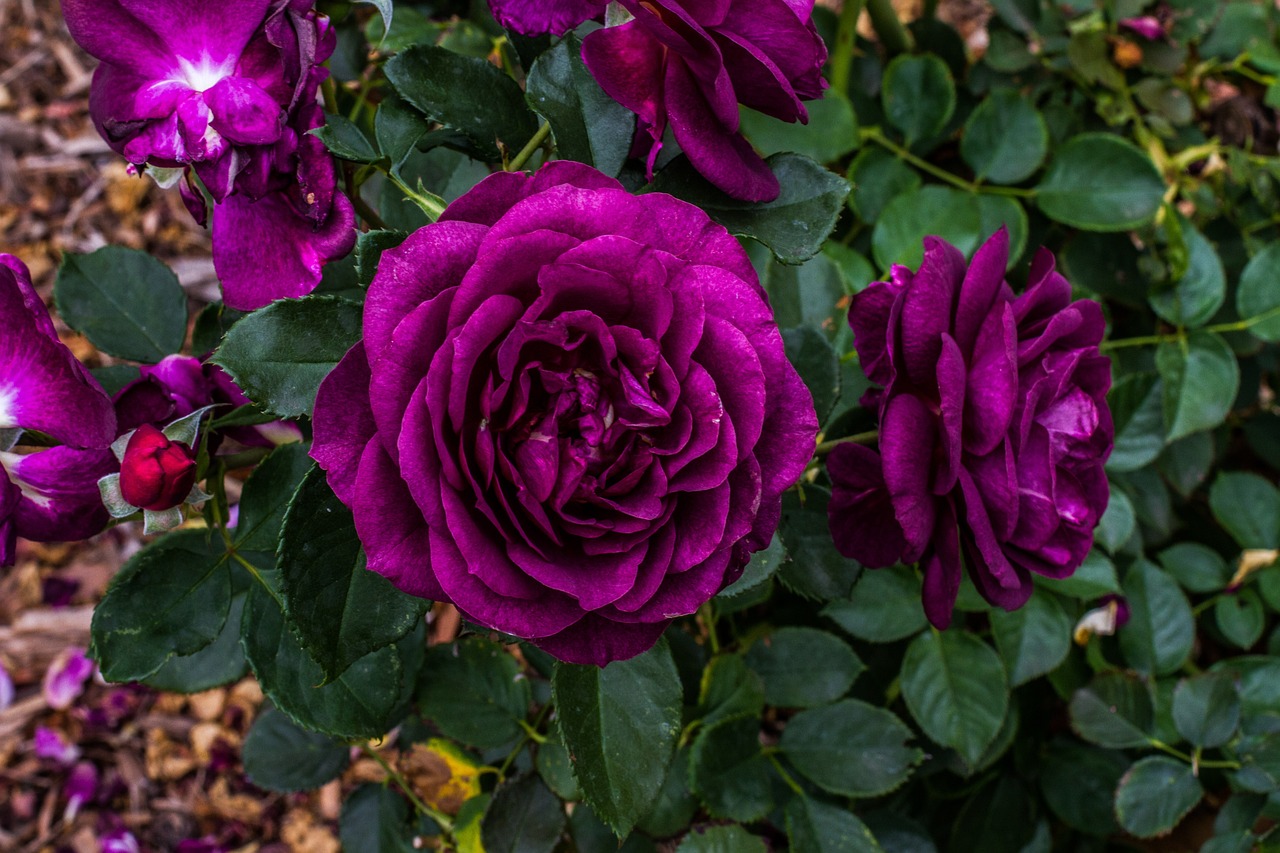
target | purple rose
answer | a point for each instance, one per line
(227, 91)
(688, 65)
(52, 494)
(571, 414)
(994, 427)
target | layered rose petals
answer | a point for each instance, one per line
(571, 414)
(688, 65)
(227, 91)
(51, 494)
(994, 427)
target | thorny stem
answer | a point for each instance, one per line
(446, 822)
(517, 163)
(861, 438)
(432, 205)
(884, 20)
(707, 615)
(846, 35)
(367, 213)
(874, 134)
(1174, 337)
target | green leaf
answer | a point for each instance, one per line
(803, 667)
(1161, 629)
(386, 8)
(266, 496)
(1258, 296)
(997, 211)
(553, 765)
(1117, 524)
(465, 93)
(729, 772)
(588, 125)
(1034, 639)
(1206, 709)
(127, 303)
(1259, 757)
(878, 177)
(816, 361)
(345, 140)
(807, 294)
(999, 818)
(1248, 507)
(956, 689)
(1114, 711)
(1095, 577)
(1005, 139)
(919, 96)
(817, 827)
(1079, 785)
(816, 570)
(1196, 297)
(830, 134)
(721, 839)
(279, 756)
(340, 610)
(793, 226)
(375, 819)
(763, 566)
(221, 662)
(675, 805)
(398, 128)
(524, 817)
(1201, 379)
(360, 703)
(1155, 795)
(1240, 617)
(280, 354)
(934, 210)
(885, 606)
(850, 748)
(1137, 407)
(472, 690)
(1100, 182)
(369, 248)
(1197, 567)
(171, 598)
(599, 712)
(729, 689)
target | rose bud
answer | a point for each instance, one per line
(156, 472)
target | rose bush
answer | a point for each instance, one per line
(994, 427)
(571, 414)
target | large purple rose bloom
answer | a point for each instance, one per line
(227, 91)
(994, 427)
(688, 65)
(52, 494)
(571, 414)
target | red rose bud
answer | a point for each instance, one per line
(156, 473)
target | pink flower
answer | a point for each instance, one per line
(51, 745)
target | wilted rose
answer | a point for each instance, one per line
(571, 414)
(994, 427)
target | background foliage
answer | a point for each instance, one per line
(808, 706)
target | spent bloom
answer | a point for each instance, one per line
(571, 414)
(51, 494)
(227, 92)
(994, 427)
(64, 679)
(53, 746)
(687, 65)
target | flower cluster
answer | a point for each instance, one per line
(994, 427)
(50, 494)
(571, 414)
(687, 66)
(226, 93)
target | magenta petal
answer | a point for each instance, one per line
(927, 308)
(942, 570)
(860, 513)
(52, 746)
(244, 113)
(264, 250)
(65, 678)
(982, 284)
(60, 498)
(596, 641)
(343, 423)
(907, 427)
(535, 17)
